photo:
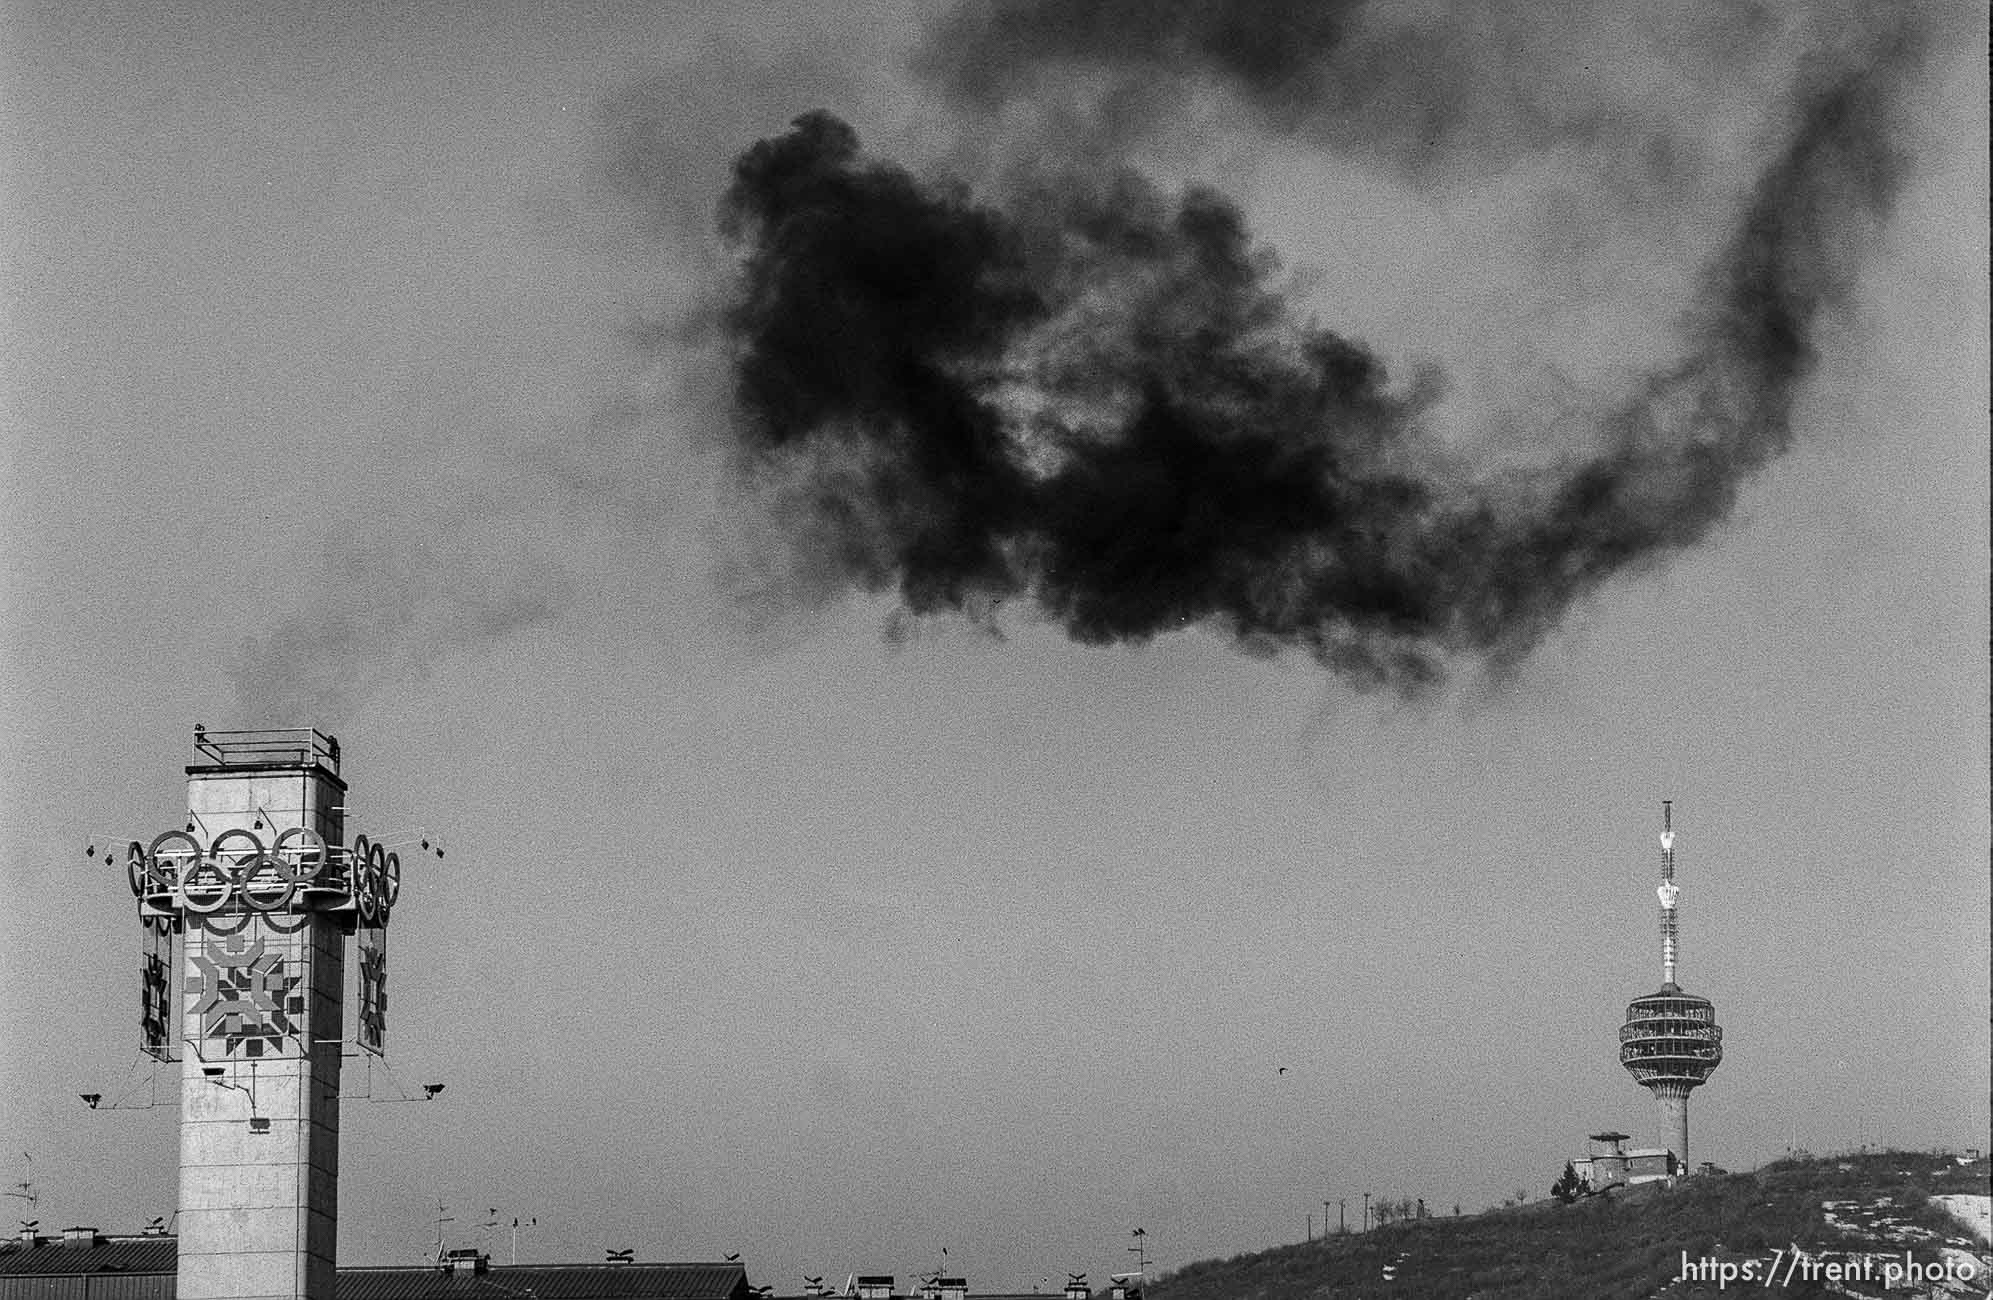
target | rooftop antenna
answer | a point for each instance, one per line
(532, 1222)
(443, 1216)
(25, 1189)
(493, 1220)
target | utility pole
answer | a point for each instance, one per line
(1341, 1227)
(1311, 1225)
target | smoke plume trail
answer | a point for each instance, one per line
(1097, 397)
(390, 609)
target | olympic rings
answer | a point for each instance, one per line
(356, 874)
(242, 861)
(248, 871)
(235, 872)
(255, 888)
(303, 865)
(162, 876)
(368, 875)
(205, 899)
(356, 862)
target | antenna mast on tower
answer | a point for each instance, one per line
(1669, 893)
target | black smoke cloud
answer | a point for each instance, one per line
(1098, 397)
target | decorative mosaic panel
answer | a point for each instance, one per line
(373, 949)
(250, 996)
(155, 981)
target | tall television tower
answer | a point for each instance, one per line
(1670, 1042)
(244, 919)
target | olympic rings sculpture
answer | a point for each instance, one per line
(237, 873)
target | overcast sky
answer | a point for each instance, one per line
(345, 385)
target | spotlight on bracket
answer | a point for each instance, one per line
(430, 1090)
(212, 1071)
(259, 1123)
(91, 1099)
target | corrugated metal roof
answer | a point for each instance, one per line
(126, 1286)
(549, 1282)
(110, 1255)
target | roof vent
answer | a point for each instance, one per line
(79, 1236)
(877, 1287)
(466, 1259)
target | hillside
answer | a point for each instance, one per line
(1629, 1244)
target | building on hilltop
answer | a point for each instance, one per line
(1610, 1164)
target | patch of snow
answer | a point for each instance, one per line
(1975, 1212)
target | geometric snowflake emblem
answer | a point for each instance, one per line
(249, 1001)
(373, 996)
(154, 988)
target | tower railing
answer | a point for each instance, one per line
(279, 746)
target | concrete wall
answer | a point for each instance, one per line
(259, 1119)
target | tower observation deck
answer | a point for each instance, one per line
(1670, 1042)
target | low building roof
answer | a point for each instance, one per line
(54, 1257)
(548, 1282)
(159, 1257)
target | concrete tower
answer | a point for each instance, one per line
(1670, 1042)
(246, 913)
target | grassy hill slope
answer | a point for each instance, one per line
(1629, 1244)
